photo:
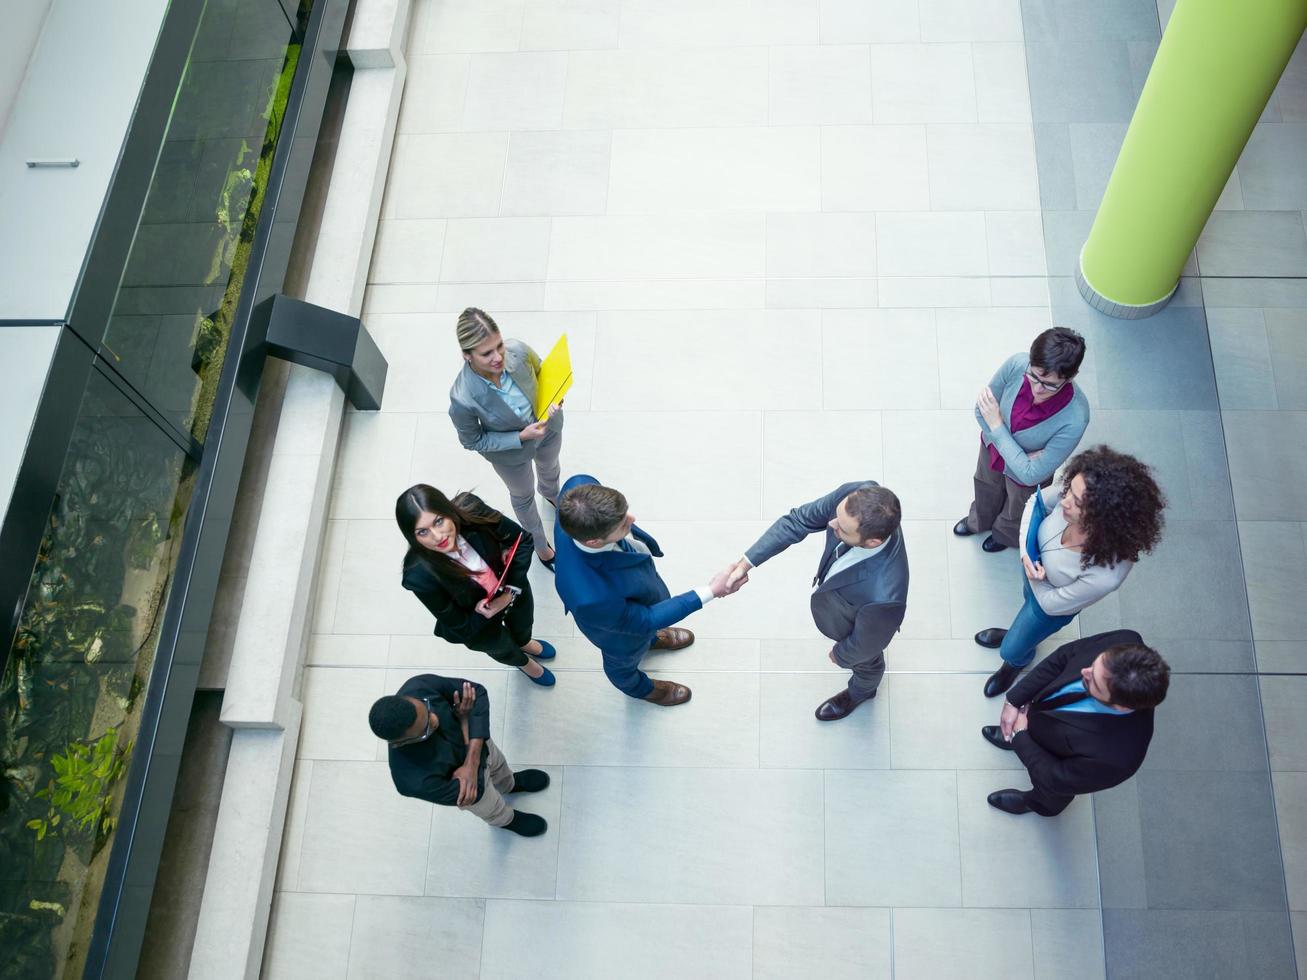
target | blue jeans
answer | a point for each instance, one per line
(1031, 627)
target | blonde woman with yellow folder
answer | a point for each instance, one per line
(492, 405)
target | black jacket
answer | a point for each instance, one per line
(453, 599)
(1071, 752)
(424, 769)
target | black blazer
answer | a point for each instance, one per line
(1070, 752)
(452, 599)
(425, 770)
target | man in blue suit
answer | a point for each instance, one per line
(606, 578)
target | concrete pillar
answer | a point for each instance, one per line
(1217, 66)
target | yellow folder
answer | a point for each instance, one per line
(555, 377)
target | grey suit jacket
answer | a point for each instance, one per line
(861, 607)
(483, 420)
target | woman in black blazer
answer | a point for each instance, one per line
(456, 554)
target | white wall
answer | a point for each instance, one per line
(25, 355)
(22, 21)
(76, 100)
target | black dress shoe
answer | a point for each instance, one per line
(1009, 801)
(547, 562)
(527, 824)
(992, 546)
(962, 529)
(840, 706)
(991, 638)
(994, 736)
(529, 781)
(1001, 680)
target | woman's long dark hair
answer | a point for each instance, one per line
(463, 511)
(1122, 513)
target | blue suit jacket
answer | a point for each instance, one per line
(616, 597)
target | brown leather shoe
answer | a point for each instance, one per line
(672, 638)
(840, 706)
(668, 693)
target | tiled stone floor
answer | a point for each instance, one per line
(788, 241)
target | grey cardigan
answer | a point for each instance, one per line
(1055, 438)
(1067, 588)
(483, 420)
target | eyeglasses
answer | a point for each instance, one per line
(427, 731)
(1046, 385)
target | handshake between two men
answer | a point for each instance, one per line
(859, 591)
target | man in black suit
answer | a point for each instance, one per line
(1081, 721)
(860, 591)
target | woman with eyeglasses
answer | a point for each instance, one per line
(457, 550)
(1107, 514)
(1031, 419)
(492, 407)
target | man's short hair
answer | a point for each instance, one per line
(877, 511)
(391, 717)
(1138, 677)
(591, 511)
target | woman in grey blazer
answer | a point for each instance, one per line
(1031, 419)
(491, 406)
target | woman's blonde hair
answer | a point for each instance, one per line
(474, 326)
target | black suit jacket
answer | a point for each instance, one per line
(860, 607)
(452, 599)
(1071, 752)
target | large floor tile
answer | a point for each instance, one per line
(929, 458)
(371, 598)
(790, 737)
(585, 940)
(1286, 727)
(733, 439)
(515, 91)
(407, 251)
(1068, 944)
(1209, 723)
(878, 359)
(492, 26)
(1125, 360)
(928, 615)
(336, 703)
(985, 167)
(974, 344)
(1002, 95)
(881, 21)
(433, 92)
(958, 710)
(1253, 243)
(932, 244)
(361, 835)
(923, 83)
(1016, 246)
(691, 835)
(495, 249)
(958, 20)
(1270, 168)
(585, 721)
(1287, 335)
(638, 354)
(658, 247)
(550, 25)
(874, 168)
(1256, 440)
(470, 859)
(981, 944)
(806, 455)
(632, 89)
(824, 84)
(392, 932)
(835, 943)
(1075, 81)
(446, 175)
(1274, 557)
(308, 936)
(672, 24)
(728, 169)
(1291, 812)
(821, 244)
(1027, 861)
(373, 464)
(556, 173)
(1143, 944)
(892, 838)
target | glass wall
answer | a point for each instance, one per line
(72, 688)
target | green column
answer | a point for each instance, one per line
(1217, 66)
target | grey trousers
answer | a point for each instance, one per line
(998, 503)
(492, 807)
(524, 479)
(867, 673)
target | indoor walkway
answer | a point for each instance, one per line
(788, 241)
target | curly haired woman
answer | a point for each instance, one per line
(1108, 513)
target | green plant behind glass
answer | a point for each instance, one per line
(81, 792)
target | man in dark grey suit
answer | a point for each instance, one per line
(860, 591)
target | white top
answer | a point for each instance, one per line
(1067, 588)
(467, 556)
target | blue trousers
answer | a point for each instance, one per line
(625, 674)
(1031, 627)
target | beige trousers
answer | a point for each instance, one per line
(492, 807)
